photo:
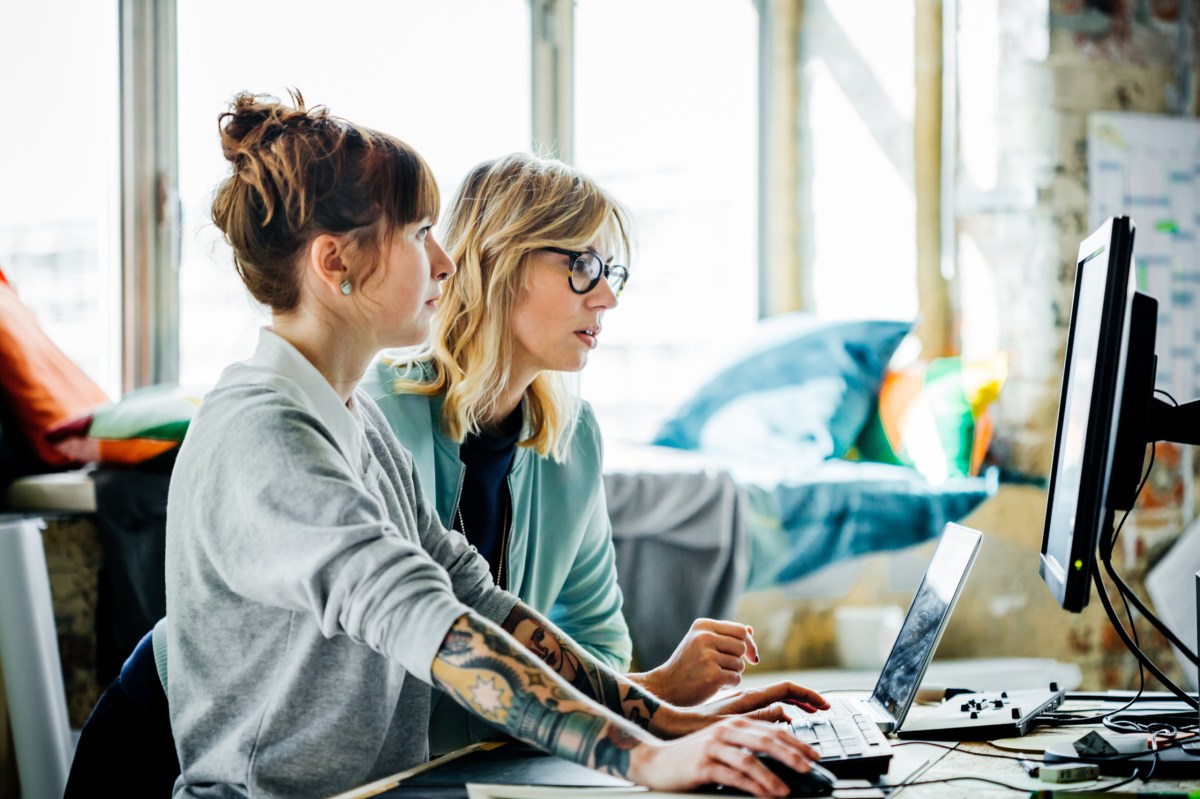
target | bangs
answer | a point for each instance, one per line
(403, 184)
(614, 238)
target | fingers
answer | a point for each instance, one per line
(719, 772)
(793, 694)
(751, 739)
(751, 644)
(772, 713)
(775, 740)
(736, 766)
(729, 637)
(730, 663)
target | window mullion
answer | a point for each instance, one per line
(149, 196)
(552, 75)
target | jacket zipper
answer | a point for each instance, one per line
(504, 533)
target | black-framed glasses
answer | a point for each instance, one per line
(586, 269)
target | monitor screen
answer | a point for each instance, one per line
(1089, 412)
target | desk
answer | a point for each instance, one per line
(916, 767)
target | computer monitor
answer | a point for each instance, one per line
(1088, 412)
(1107, 412)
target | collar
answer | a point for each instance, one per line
(277, 363)
(452, 448)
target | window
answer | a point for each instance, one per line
(857, 139)
(459, 93)
(666, 119)
(58, 154)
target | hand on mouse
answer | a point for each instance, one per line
(725, 753)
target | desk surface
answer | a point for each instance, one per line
(924, 764)
(919, 771)
(966, 761)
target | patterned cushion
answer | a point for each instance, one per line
(802, 387)
(933, 417)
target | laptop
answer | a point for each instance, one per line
(843, 751)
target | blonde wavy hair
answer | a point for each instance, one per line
(505, 210)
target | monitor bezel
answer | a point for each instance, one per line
(1070, 583)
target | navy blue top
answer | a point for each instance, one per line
(484, 501)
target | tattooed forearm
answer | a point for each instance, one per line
(579, 668)
(489, 674)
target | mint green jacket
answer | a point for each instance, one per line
(559, 559)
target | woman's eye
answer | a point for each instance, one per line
(423, 232)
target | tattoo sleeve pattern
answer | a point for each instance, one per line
(579, 668)
(492, 676)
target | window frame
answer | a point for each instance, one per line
(149, 227)
(150, 212)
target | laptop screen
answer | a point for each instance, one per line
(927, 617)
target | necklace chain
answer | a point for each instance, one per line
(504, 530)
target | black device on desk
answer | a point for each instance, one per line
(1107, 414)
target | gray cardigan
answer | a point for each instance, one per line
(308, 588)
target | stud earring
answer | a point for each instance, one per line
(346, 287)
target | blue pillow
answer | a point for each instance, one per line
(802, 386)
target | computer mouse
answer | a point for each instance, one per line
(817, 781)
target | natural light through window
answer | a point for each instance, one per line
(58, 156)
(858, 71)
(671, 130)
(458, 93)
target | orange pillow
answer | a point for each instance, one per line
(40, 384)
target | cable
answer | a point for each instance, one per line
(1132, 647)
(966, 751)
(1104, 717)
(1023, 788)
(1106, 551)
(1125, 590)
(1167, 394)
(1125, 781)
(1130, 644)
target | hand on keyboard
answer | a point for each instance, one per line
(757, 703)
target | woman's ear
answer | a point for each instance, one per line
(325, 263)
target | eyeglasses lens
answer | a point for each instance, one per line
(584, 271)
(616, 277)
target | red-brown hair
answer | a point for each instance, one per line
(299, 172)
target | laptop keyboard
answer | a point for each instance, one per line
(850, 743)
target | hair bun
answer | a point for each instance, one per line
(258, 119)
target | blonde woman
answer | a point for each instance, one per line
(504, 448)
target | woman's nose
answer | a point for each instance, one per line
(441, 264)
(603, 295)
